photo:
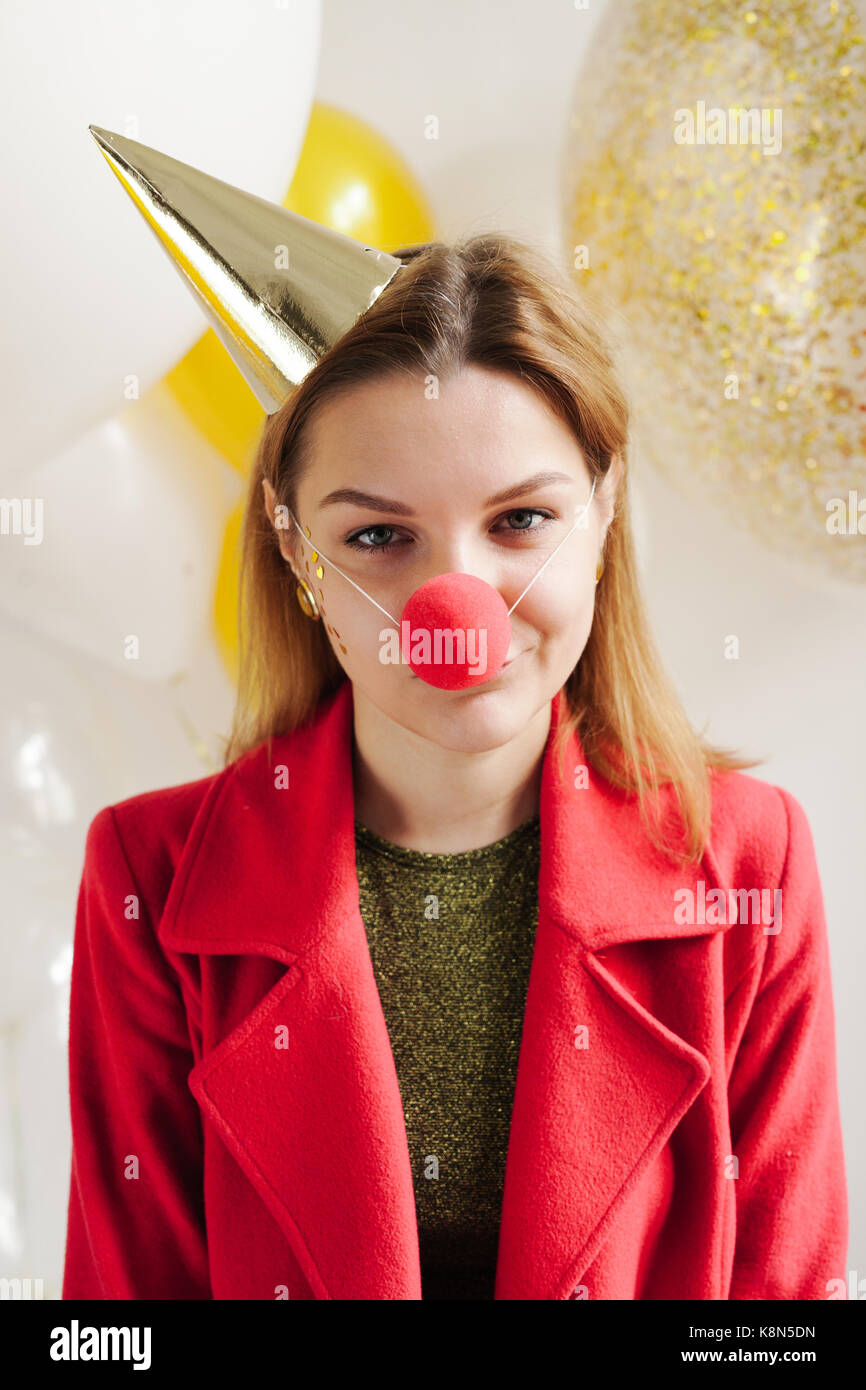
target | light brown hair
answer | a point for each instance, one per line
(495, 302)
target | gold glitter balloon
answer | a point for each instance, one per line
(714, 205)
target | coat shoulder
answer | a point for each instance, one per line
(161, 817)
(749, 827)
(760, 839)
(154, 828)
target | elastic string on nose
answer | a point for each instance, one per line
(553, 552)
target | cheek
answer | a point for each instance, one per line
(561, 607)
(352, 622)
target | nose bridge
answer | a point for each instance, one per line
(458, 552)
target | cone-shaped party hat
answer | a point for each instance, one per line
(278, 289)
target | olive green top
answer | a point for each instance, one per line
(451, 939)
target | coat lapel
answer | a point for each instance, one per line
(304, 1091)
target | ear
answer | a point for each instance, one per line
(285, 540)
(270, 499)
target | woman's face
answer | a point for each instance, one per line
(430, 469)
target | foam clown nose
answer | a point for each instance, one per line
(455, 631)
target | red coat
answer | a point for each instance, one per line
(237, 1123)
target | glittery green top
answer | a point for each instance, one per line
(451, 939)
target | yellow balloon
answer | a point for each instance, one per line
(225, 609)
(351, 179)
(211, 391)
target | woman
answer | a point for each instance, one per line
(518, 989)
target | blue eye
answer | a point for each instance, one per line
(357, 543)
(528, 511)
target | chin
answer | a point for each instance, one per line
(474, 720)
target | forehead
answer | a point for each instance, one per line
(478, 423)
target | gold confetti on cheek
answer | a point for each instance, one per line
(320, 573)
(336, 634)
(739, 269)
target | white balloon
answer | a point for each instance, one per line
(120, 539)
(34, 1095)
(75, 736)
(89, 299)
(59, 746)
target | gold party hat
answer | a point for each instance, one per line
(279, 289)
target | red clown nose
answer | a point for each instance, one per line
(455, 631)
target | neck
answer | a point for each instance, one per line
(420, 795)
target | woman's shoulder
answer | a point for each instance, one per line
(150, 830)
(160, 814)
(762, 854)
(154, 829)
(168, 813)
(755, 823)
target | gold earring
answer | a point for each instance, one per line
(599, 570)
(307, 600)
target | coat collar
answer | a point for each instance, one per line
(600, 878)
(270, 869)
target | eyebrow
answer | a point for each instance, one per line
(389, 504)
